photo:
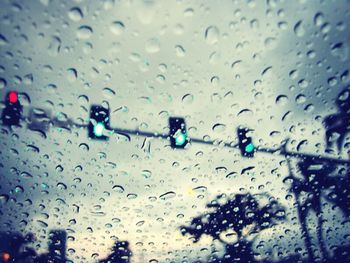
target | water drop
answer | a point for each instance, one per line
(54, 46)
(117, 28)
(131, 196)
(299, 29)
(340, 50)
(319, 19)
(281, 100)
(28, 79)
(303, 83)
(42, 223)
(59, 168)
(293, 74)
(188, 98)
(214, 57)
(140, 223)
(2, 83)
(211, 35)
(270, 42)
(180, 51)
(108, 93)
(152, 45)
(167, 195)
(219, 127)
(26, 175)
(3, 40)
(72, 74)
(118, 188)
(188, 12)
(84, 32)
(61, 186)
(19, 189)
(3, 199)
(75, 14)
(300, 98)
(146, 173)
(215, 80)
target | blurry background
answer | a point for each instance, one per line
(273, 66)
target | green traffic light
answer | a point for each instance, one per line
(98, 129)
(180, 138)
(249, 148)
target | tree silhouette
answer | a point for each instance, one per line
(57, 248)
(339, 194)
(13, 247)
(242, 214)
(338, 123)
(319, 176)
(316, 179)
(319, 181)
(121, 253)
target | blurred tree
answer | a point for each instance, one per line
(13, 247)
(319, 181)
(316, 180)
(339, 191)
(57, 248)
(121, 253)
(241, 214)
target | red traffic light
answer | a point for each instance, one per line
(5, 257)
(11, 114)
(13, 97)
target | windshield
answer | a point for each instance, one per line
(174, 131)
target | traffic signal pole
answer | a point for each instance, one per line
(281, 151)
(129, 132)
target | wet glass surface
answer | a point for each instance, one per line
(174, 131)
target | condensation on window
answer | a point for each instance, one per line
(174, 131)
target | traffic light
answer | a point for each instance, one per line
(5, 257)
(177, 133)
(99, 122)
(11, 114)
(245, 142)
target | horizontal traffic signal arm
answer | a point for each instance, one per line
(69, 124)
